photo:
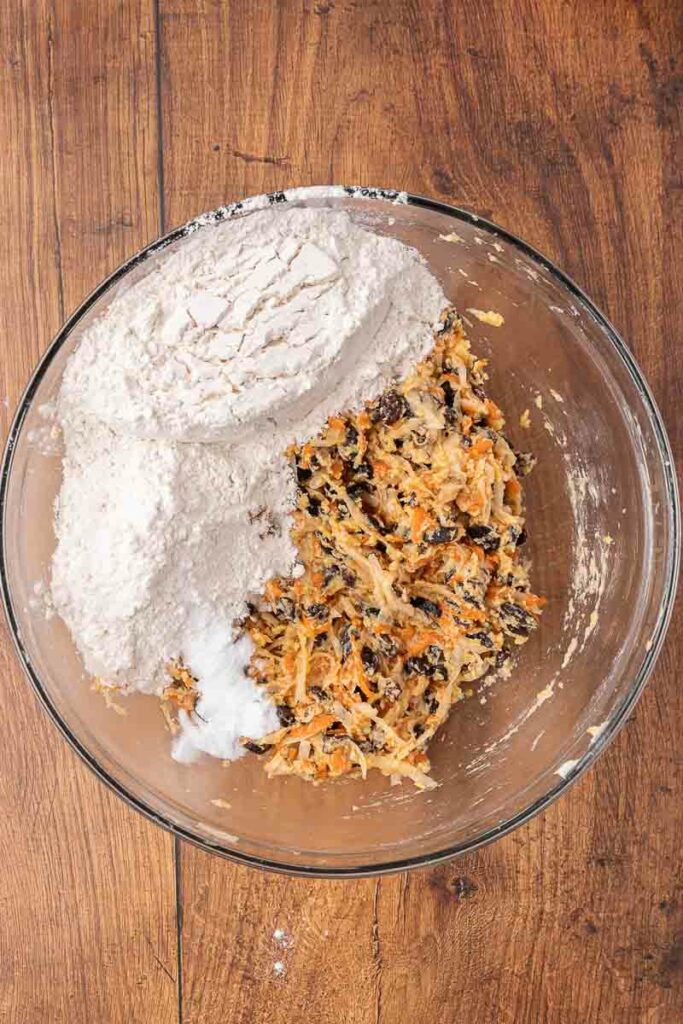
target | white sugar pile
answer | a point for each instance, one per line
(176, 409)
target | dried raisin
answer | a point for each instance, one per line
(441, 535)
(285, 715)
(369, 659)
(426, 606)
(485, 536)
(391, 408)
(483, 638)
(448, 393)
(255, 748)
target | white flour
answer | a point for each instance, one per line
(175, 411)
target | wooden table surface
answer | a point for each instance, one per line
(559, 120)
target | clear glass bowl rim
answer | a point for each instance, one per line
(672, 563)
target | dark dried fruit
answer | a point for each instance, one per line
(357, 490)
(466, 442)
(303, 475)
(432, 702)
(522, 539)
(372, 611)
(418, 730)
(369, 659)
(436, 661)
(318, 693)
(426, 606)
(313, 507)
(348, 576)
(479, 392)
(441, 535)
(501, 657)
(485, 536)
(285, 715)
(351, 437)
(391, 408)
(320, 638)
(417, 666)
(364, 469)
(383, 528)
(329, 572)
(424, 665)
(435, 655)
(317, 611)
(483, 638)
(255, 748)
(346, 640)
(516, 620)
(448, 393)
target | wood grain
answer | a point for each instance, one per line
(87, 904)
(565, 134)
(559, 120)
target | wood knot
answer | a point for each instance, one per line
(463, 888)
(453, 888)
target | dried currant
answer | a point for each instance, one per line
(391, 408)
(441, 535)
(426, 606)
(485, 536)
(285, 715)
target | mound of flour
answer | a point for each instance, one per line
(175, 411)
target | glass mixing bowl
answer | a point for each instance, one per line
(603, 523)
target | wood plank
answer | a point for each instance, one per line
(87, 921)
(238, 967)
(567, 137)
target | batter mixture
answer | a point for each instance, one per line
(286, 509)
